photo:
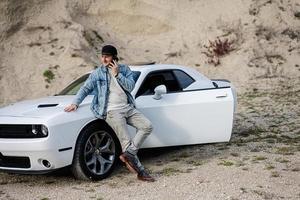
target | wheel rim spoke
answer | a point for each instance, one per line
(99, 157)
(103, 163)
(90, 148)
(106, 147)
(98, 140)
(92, 162)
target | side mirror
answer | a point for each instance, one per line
(158, 91)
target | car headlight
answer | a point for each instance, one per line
(34, 129)
(44, 130)
(39, 131)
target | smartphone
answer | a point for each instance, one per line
(115, 58)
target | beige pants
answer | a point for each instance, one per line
(118, 120)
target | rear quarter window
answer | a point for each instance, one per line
(183, 78)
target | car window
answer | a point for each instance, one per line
(73, 88)
(183, 78)
(157, 78)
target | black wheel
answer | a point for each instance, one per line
(96, 153)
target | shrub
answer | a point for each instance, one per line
(48, 74)
(217, 49)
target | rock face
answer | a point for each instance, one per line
(45, 44)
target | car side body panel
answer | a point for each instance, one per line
(193, 117)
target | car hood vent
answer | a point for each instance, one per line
(47, 105)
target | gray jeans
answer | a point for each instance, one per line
(118, 120)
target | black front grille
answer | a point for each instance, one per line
(14, 161)
(19, 131)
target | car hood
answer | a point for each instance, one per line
(43, 107)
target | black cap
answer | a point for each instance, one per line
(109, 50)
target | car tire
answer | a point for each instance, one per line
(96, 152)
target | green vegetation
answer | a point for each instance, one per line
(226, 163)
(285, 150)
(91, 190)
(274, 174)
(269, 167)
(195, 162)
(282, 160)
(168, 171)
(258, 158)
(49, 75)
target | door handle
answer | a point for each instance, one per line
(221, 96)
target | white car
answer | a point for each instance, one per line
(185, 107)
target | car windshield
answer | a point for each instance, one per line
(73, 88)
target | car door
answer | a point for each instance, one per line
(183, 117)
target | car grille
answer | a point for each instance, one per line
(14, 161)
(17, 131)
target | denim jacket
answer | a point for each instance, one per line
(98, 82)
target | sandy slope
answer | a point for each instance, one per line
(262, 159)
(62, 36)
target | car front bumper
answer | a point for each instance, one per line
(32, 155)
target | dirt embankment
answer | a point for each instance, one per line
(46, 44)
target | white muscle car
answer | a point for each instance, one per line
(185, 107)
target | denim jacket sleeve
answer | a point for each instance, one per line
(85, 90)
(126, 79)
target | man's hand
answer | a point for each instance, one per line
(114, 68)
(71, 107)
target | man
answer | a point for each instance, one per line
(113, 102)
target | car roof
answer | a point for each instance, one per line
(190, 70)
(155, 67)
(152, 67)
(148, 68)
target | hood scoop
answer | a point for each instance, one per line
(47, 105)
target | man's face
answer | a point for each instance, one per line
(106, 59)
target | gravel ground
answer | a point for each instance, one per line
(260, 162)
